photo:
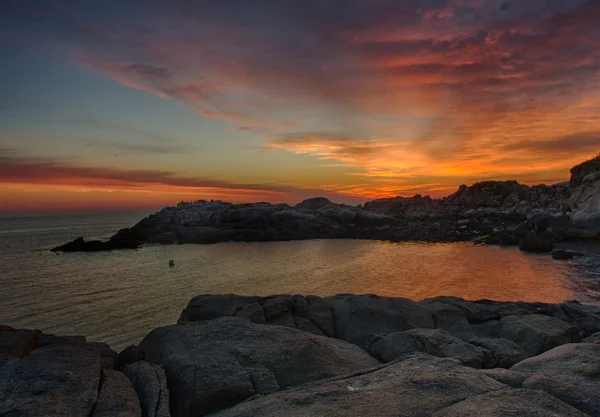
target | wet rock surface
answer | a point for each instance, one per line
(298, 355)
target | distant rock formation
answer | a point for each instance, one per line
(294, 355)
(493, 212)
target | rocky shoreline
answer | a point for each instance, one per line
(506, 213)
(295, 355)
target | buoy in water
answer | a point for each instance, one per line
(171, 262)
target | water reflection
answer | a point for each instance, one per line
(118, 297)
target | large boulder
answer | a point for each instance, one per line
(576, 363)
(500, 353)
(450, 318)
(536, 333)
(208, 307)
(583, 399)
(584, 316)
(116, 397)
(150, 384)
(57, 380)
(475, 312)
(508, 403)
(435, 342)
(417, 386)
(214, 365)
(588, 220)
(354, 318)
(357, 318)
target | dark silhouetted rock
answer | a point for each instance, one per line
(150, 384)
(417, 386)
(537, 333)
(208, 307)
(82, 245)
(501, 353)
(435, 342)
(563, 255)
(116, 397)
(58, 380)
(50, 339)
(214, 365)
(536, 244)
(509, 403)
(16, 344)
(129, 355)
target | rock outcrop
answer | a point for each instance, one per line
(493, 212)
(213, 365)
(435, 342)
(345, 355)
(353, 318)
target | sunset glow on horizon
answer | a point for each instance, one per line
(141, 104)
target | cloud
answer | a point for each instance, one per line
(328, 146)
(15, 170)
(585, 141)
(414, 90)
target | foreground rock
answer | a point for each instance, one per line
(518, 402)
(353, 318)
(47, 375)
(536, 333)
(52, 381)
(417, 386)
(434, 342)
(498, 352)
(214, 365)
(150, 384)
(116, 397)
(299, 356)
(576, 363)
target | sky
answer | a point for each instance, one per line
(109, 104)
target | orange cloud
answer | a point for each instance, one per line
(25, 177)
(421, 95)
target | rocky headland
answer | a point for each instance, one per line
(507, 213)
(295, 355)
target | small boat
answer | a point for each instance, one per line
(171, 262)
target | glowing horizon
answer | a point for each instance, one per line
(144, 104)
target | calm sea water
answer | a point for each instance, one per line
(118, 297)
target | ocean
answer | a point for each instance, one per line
(118, 297)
